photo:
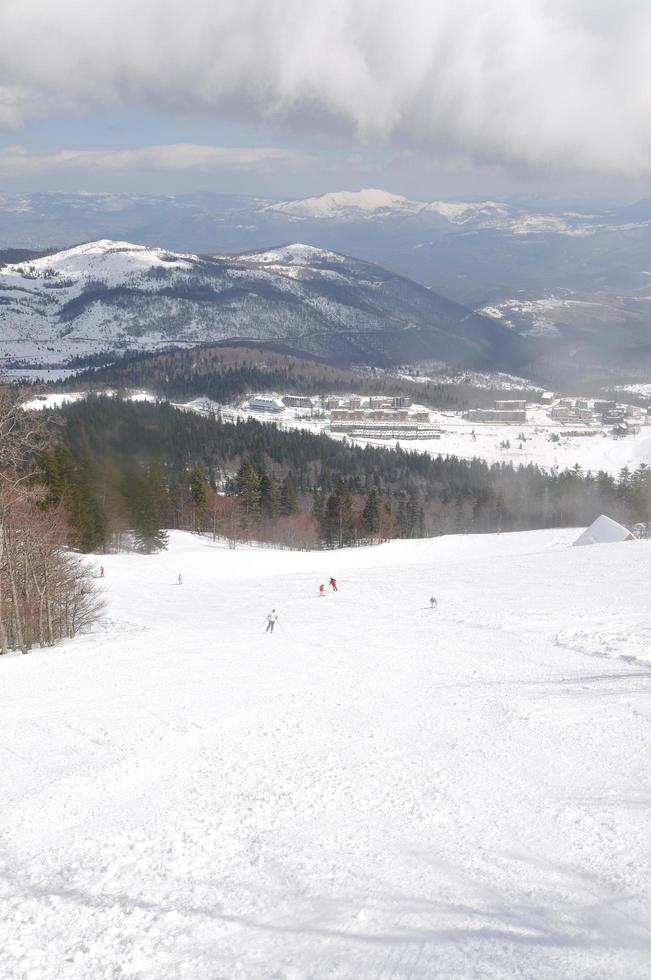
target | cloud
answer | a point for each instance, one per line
(541, 84)
(176, 157)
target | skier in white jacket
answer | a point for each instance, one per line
(271, 621)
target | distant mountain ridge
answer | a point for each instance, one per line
(110, 295)
(373, 204)
(571, 278)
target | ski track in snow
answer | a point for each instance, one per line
(377, 789)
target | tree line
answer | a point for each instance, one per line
(224, 373)
(123, 472)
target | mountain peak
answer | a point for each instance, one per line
(106, 296)
(104, 258)
(338, 204)
(294, 254)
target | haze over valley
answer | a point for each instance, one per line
(572, 280)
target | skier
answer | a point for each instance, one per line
(101, 571)
(333, 583)
(322, 590)
(432, 602)
(180, 579)
(271, 621)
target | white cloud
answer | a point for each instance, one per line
(556, 84)
(176, 157)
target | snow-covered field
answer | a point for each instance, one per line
(597, 452)
(375, 790)
(57, 399)
(469, 440)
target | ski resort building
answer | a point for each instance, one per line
(383, 424)
(507, 411)
(571, 413)
(510, 405)
(298, 401)
(266, 403)
(496, 416)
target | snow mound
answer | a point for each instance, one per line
(604, 530)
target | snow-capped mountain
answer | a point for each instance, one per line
(372, 204)
(571, 275)
(347, 205)
(109, 294)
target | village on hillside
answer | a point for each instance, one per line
(548, 430)
(397, 416)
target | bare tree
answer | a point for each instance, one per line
(45, 591)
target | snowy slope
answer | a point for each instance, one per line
(376, 790)
(109, 295)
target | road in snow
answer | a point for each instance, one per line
(375, 790)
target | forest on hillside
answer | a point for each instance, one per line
(224, 373)
(124, 471)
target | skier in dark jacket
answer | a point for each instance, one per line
(333, 583)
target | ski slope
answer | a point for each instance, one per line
(376, 790)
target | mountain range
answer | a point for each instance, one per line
(572, 279)
(107, 296)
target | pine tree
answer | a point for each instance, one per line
(371, 513)
(268, 495)
(73, 482)
(339, 523)
(318, 508)
(141, 498)
(288, 497)
(199, 495)
(331, 520)
(248, 489)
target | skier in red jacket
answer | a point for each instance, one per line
(333, 583)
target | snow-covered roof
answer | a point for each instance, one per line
(266, 401)
(603, 531)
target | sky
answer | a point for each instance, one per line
(285, 98)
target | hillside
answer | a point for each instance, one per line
(222, 372)
(374, 790)
(113, 295)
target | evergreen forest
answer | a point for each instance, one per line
(124, 472)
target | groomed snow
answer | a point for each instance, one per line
(375, 790)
